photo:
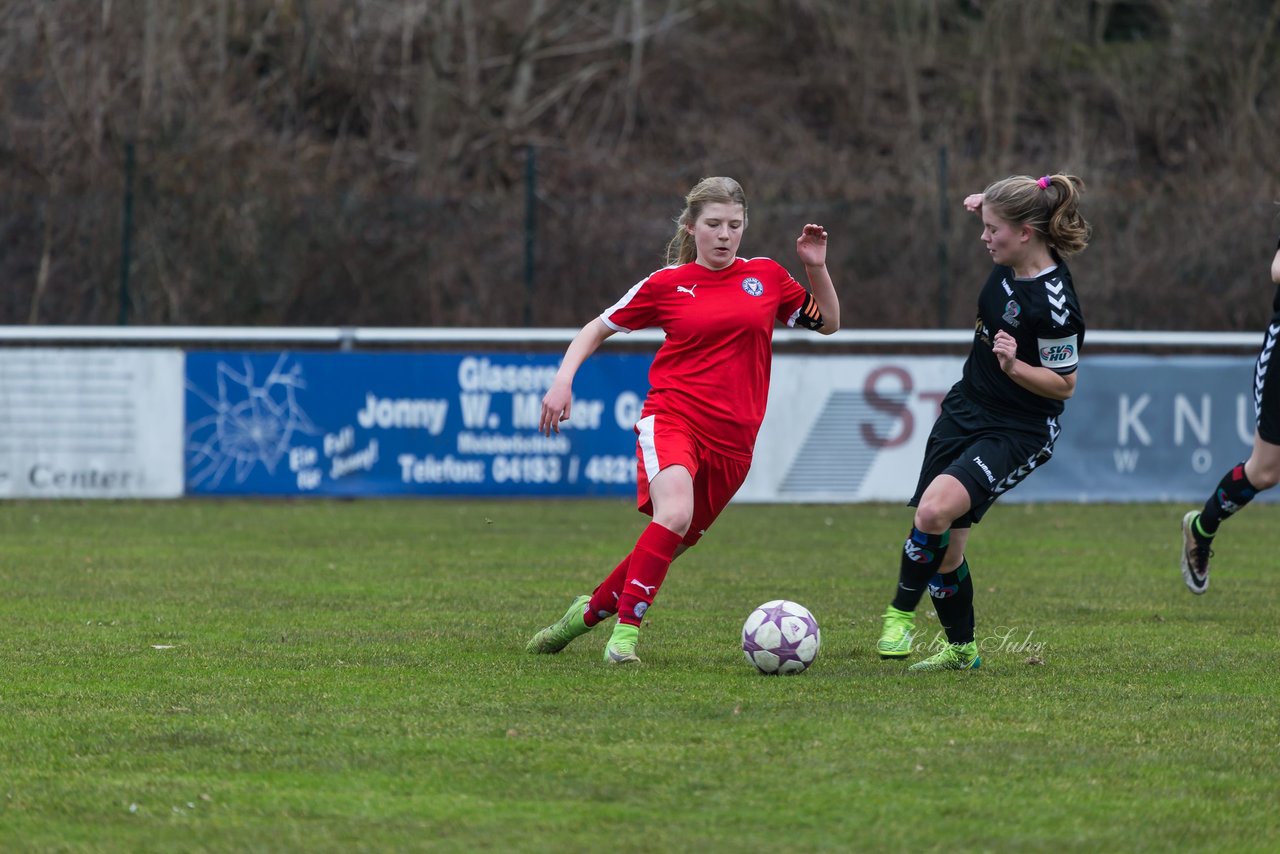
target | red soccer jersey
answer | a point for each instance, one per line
(712, 371)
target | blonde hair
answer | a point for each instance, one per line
(1050, 205)
(709, 191)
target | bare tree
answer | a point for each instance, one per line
(322, 161)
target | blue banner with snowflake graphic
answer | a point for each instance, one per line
(382, 424)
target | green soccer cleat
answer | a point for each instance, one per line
(556, 636)
(895, 638)
(957, 656)
(621, 648)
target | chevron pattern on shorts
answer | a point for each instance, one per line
(1040, 457)
(1264, 362)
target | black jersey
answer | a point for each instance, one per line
(1266, 378)
(1043, 315)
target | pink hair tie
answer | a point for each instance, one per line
(1043, 181)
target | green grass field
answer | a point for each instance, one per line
(344, 676)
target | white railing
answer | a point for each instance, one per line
(351, 336)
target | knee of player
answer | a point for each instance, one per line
(677, 518)
(934, 517)
(1264, 476)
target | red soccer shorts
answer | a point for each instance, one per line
(663, 441)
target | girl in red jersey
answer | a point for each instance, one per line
(709, 383)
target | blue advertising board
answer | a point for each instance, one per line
(1140, 428)
(1150, 428)
(382, 424)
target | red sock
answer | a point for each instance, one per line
(604, 601)
(650, 560)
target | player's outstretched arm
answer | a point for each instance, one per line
(1275, 268)
(556, 402)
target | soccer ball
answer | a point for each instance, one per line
(780, 637)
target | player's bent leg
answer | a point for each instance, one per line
(925, 551)
(621, 648)
(956, 656)
(671, 492)
(1234, 492)
(945, 501)
(557, 636)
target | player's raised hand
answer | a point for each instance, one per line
(555, 408)
(811, 246)
(973, 202)
(1006, 350)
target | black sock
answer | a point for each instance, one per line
(953, 600)
(1233, 492)
(922, 554)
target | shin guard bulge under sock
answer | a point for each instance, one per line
(922, 554)
(646, 571)
(1233, 492)
(952, 595)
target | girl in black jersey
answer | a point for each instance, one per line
(1256, 474)
(999, 422)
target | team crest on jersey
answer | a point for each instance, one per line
(1059, 352)
(1011, 312)
(753, 286)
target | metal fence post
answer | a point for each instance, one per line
(126, 234)
(944, 233)
(530, 227)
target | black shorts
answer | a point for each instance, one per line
(1266, 386)
(989, 454)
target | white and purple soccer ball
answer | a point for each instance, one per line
(781, 637)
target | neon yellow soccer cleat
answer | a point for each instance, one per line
(957, 656)
(556, 636)
(621, 648)
(895, 638)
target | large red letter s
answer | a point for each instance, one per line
(894, 405)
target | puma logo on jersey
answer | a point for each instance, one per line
(681, 289)
(647, 588)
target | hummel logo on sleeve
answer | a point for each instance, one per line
(1057, 300)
